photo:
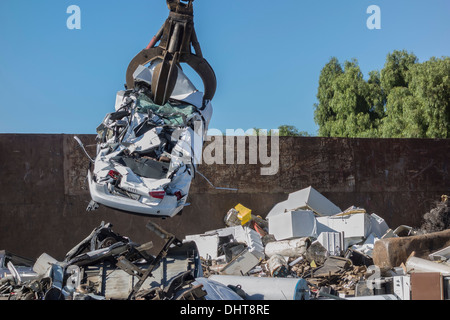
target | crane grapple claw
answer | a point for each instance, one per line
(176, 39)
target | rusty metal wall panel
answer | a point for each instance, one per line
(426, 286)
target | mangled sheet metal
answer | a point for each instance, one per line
(236, 249)
(106, 265)
(146, 157)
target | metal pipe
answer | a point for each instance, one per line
(156, 38)
(416, 264)
(267, 288)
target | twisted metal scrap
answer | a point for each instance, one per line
(176, 38)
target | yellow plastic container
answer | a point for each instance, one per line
(244, 214)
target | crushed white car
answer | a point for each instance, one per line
(147, 153)
(149, 147)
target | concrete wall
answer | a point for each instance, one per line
(43, 192)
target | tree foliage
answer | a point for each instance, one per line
(406, 99)
(283, 131)
(291, 131)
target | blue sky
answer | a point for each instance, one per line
(267, 55)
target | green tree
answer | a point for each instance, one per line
(375, 96)
(324, 115)
(404, 117)
(430, 84)
(395, 71)
(291, 131)
(420, 109)
(406, 99)
(348, 105)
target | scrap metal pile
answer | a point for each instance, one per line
(308, 248)
(106, 265)
(305, 249)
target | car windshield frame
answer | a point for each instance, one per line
(173, 112)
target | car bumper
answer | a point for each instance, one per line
(168, 207)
